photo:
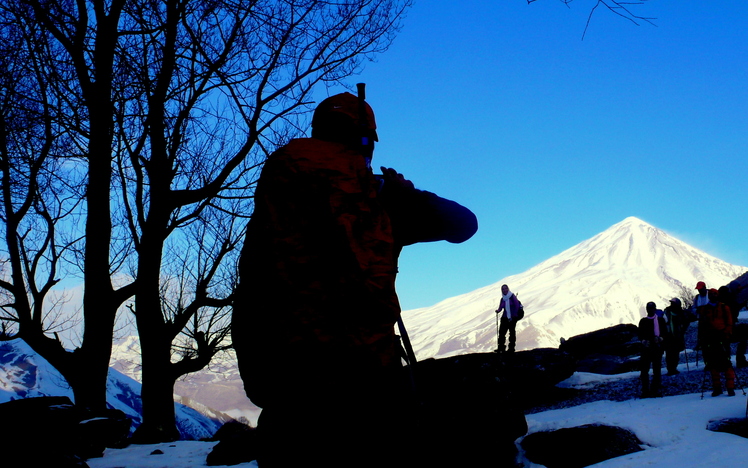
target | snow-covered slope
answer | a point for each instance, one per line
(603, 281)
(218, 387)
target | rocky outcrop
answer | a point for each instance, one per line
(612, 350)
(471, 405)
(736, 426)
(576, 447)
(468, 409)
(238, 443)
(68, 435)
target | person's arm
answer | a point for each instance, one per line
(421, 216)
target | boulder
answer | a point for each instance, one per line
(612, 350)
(237, 444)
(538, 369)
(67, 434)
(468, 414)
(736, 426)
(472, 406)
(580, 446)
(608, 364)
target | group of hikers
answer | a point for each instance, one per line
(664, 332)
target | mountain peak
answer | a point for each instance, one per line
(632, 220)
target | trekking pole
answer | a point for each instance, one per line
(410, 353)
(737, 380)
(703, 384)
(698, 348)
(497, 332)
(406, 342)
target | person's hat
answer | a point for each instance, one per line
(675, 300)
(713, 291)
(701, 285)
(348, 105)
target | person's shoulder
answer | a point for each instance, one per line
(310, 155)
(299, 146)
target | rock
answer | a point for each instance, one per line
(736, 426)
(608, 364)
(615, 340)
(580, 446)
(612, 350)
(69, 435)
(468, 413)
(538, 368)
(237, 444)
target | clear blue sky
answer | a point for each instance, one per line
(551, 139)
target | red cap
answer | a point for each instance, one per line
(701, 285)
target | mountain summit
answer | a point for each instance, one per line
(601, 282)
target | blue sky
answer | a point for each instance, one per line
(551, 139)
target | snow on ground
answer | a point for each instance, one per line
(673, 429)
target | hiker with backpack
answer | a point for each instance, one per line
(512, 309)
(728, 295)
(652, 333)
(315, 308)
(715, 330)
(677, 324)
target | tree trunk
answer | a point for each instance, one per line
(159, 418)
(158, 377)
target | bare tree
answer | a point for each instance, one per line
(165, 110)
(42, 192)
(686, 296)
(623, 9)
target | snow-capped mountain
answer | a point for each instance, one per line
(219, 386)
(603, 281)
(25, 374)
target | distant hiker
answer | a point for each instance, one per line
(315, 309)
(728, 295)
(652, 330)
(510, 305)
(701, 299)
(715, 329)
(677, 324)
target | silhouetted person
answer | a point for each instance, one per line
(677, 324)
(715, 330)
(314, 314)
(510, 306)
(652, 331)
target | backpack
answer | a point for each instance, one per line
(520, 312)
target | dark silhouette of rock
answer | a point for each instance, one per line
(736, 426)
(580, 446)
(68, 435)
(238, 443)
(539, 368)
(467, 414)
(612, 350)
(472, 405)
